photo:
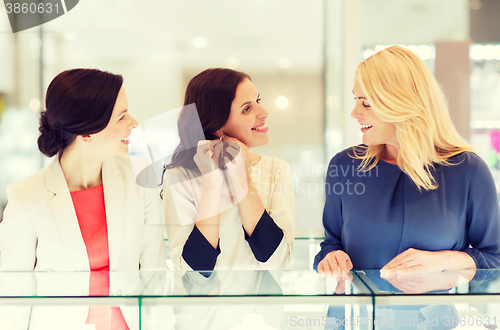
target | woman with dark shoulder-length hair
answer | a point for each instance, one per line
(84, 211)
(226, 207)
(425, 202)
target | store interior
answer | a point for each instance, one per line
(300, 56)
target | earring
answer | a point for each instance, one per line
(221, 136)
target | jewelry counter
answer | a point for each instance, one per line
(290, 299)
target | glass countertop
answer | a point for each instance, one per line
(289, 299)
(247, 283)
(305, 283)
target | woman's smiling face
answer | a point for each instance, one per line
(113, 139)
(375, 131)
(247, 120)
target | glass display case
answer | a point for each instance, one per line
(178, 300)
(293, 299)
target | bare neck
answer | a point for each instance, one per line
(390, 154)
(81, 169)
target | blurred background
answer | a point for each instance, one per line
(301, 56)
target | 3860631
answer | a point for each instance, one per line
(32, 8)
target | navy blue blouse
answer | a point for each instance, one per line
(374, 216)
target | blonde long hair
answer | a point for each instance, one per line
(401, 90)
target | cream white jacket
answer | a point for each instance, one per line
(40, 230)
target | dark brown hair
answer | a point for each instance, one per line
(212, 93)
(78, 102)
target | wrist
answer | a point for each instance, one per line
(458, 260)
(213, 178)
(212, 187)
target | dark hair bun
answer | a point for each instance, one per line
(52, 139)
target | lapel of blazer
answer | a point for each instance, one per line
(114, 197)
(65, 216)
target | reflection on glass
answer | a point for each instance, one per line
(394, 310)
(258, 299)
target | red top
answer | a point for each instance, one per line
(91, 213)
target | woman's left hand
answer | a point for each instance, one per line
(243, 149)
(420, 283)
(418, 261)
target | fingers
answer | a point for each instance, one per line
(217, 148)
(396, 260)
(224, 151)
(325, 266)
(416, 261)
(405, 266)
(401, 261)
(237, 167)
(349, 265)
(321, 268)
(335, 262)
(204, 157)
(342, 262)
(237, 145)
(204, 148)
(233, 149)
(218, 154)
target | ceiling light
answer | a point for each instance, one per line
(282, 102)
(285, 63)
(35, 104)
(199, 42)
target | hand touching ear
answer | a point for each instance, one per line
(205, 158)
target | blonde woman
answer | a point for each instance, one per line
(414, 197)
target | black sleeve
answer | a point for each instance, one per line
(265, 239)
(198, 253)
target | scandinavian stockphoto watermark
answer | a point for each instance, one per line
(441, 321)
(25, 14)
(158, 139)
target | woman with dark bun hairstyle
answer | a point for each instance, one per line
(84, 211)
(226, 207)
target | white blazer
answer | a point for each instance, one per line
(40, 230)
